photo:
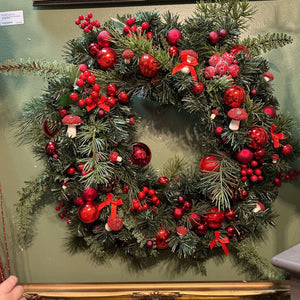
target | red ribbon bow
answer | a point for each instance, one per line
(222, 241)
(114, 204)
(185, 63)
(100, 104)
(276, 136)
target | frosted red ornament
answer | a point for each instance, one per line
(287, 150)
(244, 156)
(173, 37)
(141, 154)
(209, 163)
(88, 212)
(214, 218)
(104, 39)
(259, 137)
(234, 96)
(106, 58)
(149, 66)
(270, 110)
(89, 194)
(115, 223)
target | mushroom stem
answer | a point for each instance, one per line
(212, 116)
(234, 125)
(71, 131)
(127, 61)
(274, 160)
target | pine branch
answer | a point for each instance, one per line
(267, 42)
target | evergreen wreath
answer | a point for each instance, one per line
(83, 128)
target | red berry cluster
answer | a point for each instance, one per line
(291, 175)
(80, 168)
(130, 28)
(114, 96)
(64, 211)
(86, 23)
(252, 171)
(222, 66)
(185, 205)
(146, 198)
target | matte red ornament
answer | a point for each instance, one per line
(104, 39)
(201, 229)
(50, 148)
(234, 96)
(115, 223)
(213, 37)
(287, 150)
(259, 137)
(270, 110)
(88, 212)
(149, 66)
(244, 156)
(161, 238)
(209, 163)
(89, 194)
(195, 219)
(230, 214)
(141, 154)
(178, 213)
(106, 58)
(214, 218)
(230, 230)
(173, 37)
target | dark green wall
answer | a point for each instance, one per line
(42, 36)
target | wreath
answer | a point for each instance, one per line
(98, 175)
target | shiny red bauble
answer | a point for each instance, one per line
(50, 148)
(218, 131)
(104, 39)
(106, 58)
(270, 110)
(173, 37)
(195, 219)
(111, 101)
(178, 213)
(198, 88)
(141, 154)
(213, 37)
(234, 96)
(230, 230)
(173, 51)
(111, 89)
(123, 97)
(115, 223)
(259, 137)
(94, 49)
(244, 156)
(149, 66)
(287, 150)
(71, 171)
(201, 229)
(88, 212)
(214, 218)
(209, 163)
(230, 214)
(89, 194)
(161, 239)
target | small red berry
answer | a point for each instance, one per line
(81, 103)
(149, 35)
(90, 15)
(91, 79)
(253, 178)
(111, 89)
(77, 22)
(145, 189)
(74, 96)
(257, 172)
(57, 208)
(151, 193)
(126, 29)
(253, 163)
(243, 172)
(141, 195)
(80, 82)
(62, 111)
(249, 171)
(145, 25)
(81, 17)
(86, 30)
(96, 87)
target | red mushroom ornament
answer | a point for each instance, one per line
(237, 115)
(268, 76)
(275, 158)
(72, 122)
(127, 55)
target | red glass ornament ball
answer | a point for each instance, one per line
(214, 218)
(104, 39)
(149, 244)
(89, 194)
(149, 66)
(209, 163)
(71, 171)
(187, 205)
(198, 88)
(141, 154)
(259, 137)
(173, 51)
(123, 97)
(178, 213)
(201, 229)
(213, 37)
(88, 212)
(230, 214)
(218, 131)
(94, 49)
(50, 148)
(115, 223)
(161, 238)
(259, 154)
(111, 101)
(270, 110)
(230, 230)
(111, 89)
(106, 58)
(195, 219)
(287, 150)
(173, 37)
(234, 96)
